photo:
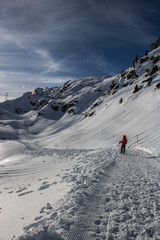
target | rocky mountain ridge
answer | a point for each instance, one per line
(105, 107)
(72, 95)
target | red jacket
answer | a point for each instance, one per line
(124, 140)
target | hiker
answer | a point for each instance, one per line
(124, 142)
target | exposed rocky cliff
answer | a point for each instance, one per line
(155, 44)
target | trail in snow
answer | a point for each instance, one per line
(114, 197)
(124, 204)
(134, 212)
(90, 214)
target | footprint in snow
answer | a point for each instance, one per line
(11, 192)
(43, 209)
(21, 189)
(54, 183)
(25, 193)
(107, 200)
(48, 206)
(44, 187)
(44, 183)
(54, 216)
(97, 222)
(38, 218)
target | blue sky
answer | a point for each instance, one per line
(44, 43)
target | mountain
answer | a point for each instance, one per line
(99, 108)
(61, 174)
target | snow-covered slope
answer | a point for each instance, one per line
(91, 111)
(60, 160)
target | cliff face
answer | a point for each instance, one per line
(155, 44)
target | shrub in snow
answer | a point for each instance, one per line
(156, 59)
(147, 70)
(71, 111)
(40, 114)
(122, 74)
(33, 103)
(117, 86)
(113, 84)
(98, 90)
(154, 70)
(18, 110)
(95, 105)
(148, 81)
(41, 103)
(136, 89)
(114, 92)
(158, 85)
(144, 59)
(121, 100)
(64, 108)
(132, 74)
(135, 61)
(146, 53)
(55, 107)
(155, 44)
(125, 84)
(91, 114)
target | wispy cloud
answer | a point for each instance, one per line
(59, 40)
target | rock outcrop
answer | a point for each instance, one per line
(155, 44)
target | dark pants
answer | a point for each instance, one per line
(123, 148)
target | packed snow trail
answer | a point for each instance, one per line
(90, 213)
(115, 197)
(124, 204)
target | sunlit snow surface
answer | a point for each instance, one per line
(61, 173)
(81, 194)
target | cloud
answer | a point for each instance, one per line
(16, 83)
(50, 41)
(59, 21)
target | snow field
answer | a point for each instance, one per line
(113, 196)
(29, 182)
(61, 174)
(138, 114)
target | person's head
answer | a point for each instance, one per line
(124, 136)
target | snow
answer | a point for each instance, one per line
(61, 172)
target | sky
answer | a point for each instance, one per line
(44, 43)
